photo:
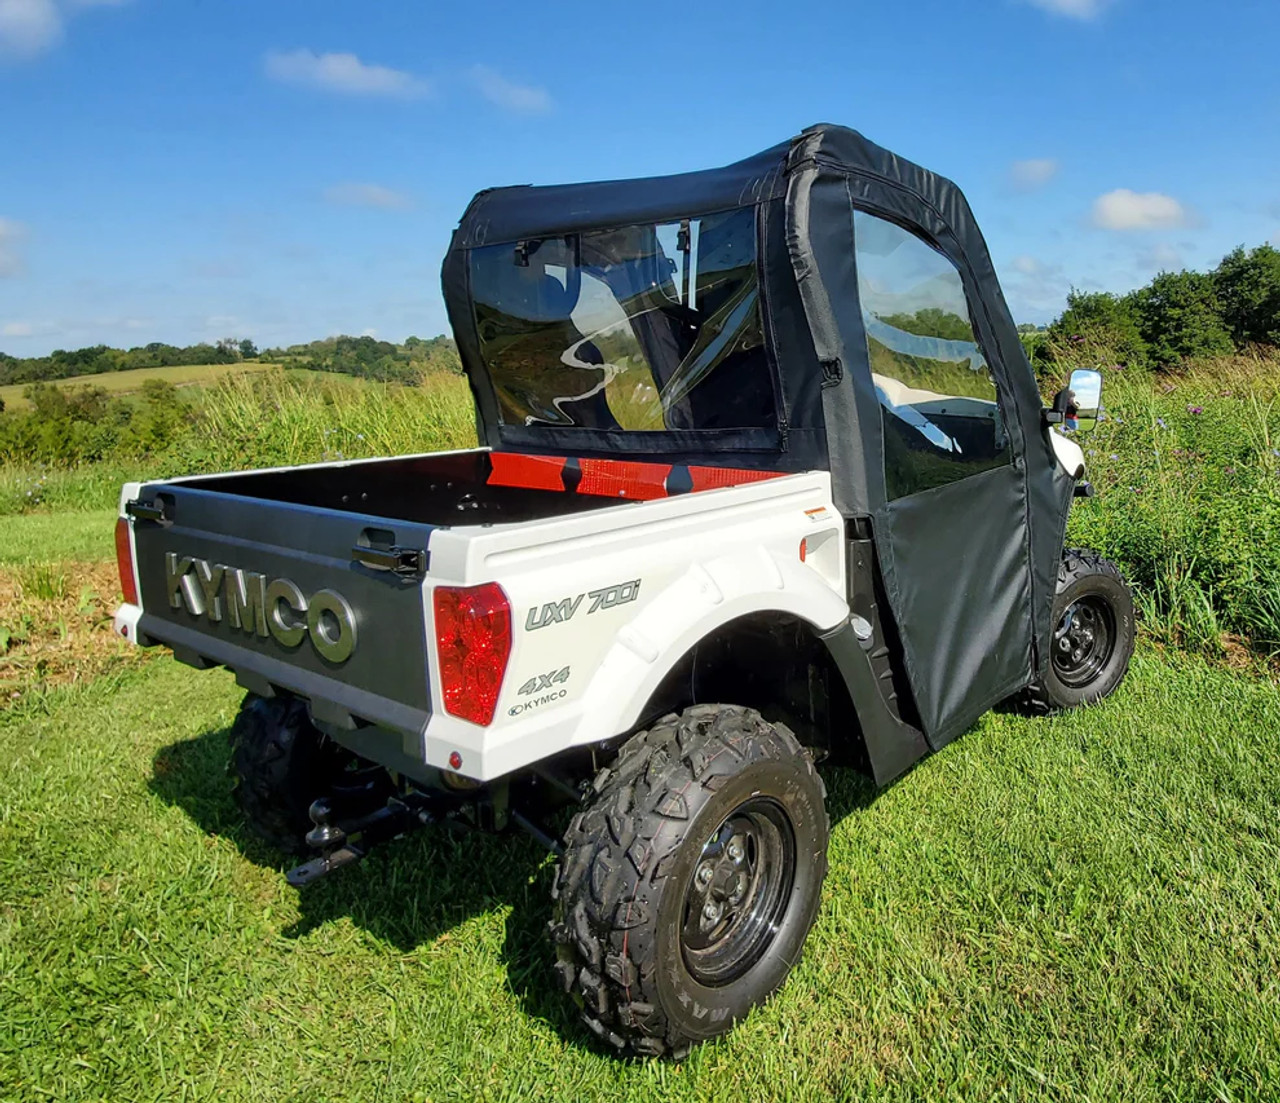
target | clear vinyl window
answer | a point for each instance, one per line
(652, 327)
(938, 401)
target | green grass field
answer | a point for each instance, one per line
(1081, 908)
(129, 382)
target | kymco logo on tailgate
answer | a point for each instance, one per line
(262, 606)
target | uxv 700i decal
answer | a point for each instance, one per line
(555, 612)
(262, 606)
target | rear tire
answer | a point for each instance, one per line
(1093, 635)
(689, 883)
(282, 762)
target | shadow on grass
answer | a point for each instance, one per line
(410, 891)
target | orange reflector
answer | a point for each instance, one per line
(529, 472)
(712, 478)
(124, 562)
(623, 479)
(804, 548)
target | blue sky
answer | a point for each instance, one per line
(185, 170)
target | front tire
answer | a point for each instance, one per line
(689, 884)
(1093, 635)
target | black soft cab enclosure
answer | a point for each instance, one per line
(824, 304)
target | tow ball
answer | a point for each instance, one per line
(344, 842)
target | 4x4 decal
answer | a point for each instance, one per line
(556, 612)
(539, 682)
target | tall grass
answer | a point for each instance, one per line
(1187, 470)
(263, 420)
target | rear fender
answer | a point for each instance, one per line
(706, 597)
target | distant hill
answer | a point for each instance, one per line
(362, 356)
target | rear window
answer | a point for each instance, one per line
(642, 328)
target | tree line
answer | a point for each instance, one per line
(370, 358)
(362, 356)
(64, 364)
(1176, 318)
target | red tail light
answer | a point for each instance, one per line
(124, 562)
(473, 642)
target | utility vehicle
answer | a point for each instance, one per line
(765, 480)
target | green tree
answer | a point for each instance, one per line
(1248, 290)
(1180, 319)
(248, 350)
(1097, 326)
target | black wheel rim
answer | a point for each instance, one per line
(1084, 641)
(738, 892)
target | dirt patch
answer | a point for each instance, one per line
(55, 627)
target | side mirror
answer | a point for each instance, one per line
(1081, 402)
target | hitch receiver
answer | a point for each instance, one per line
(345, 842)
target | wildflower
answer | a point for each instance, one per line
(1195, 409)
(1114, 456)
(1228, 470)
(1093, 451)
(1160, 422)
(359, 436)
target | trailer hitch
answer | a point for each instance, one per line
(341, 843)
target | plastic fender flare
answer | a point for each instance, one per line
(1068, 453)
(707, 596)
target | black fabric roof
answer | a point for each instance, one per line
(508, 214)
(512, 213)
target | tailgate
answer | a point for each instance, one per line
(275, 591)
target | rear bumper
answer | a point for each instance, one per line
(125, 623)
(334, 703)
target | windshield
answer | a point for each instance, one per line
(650, 327)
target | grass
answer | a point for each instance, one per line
(260, 420)
(1187, 469)
(57, 537)
(130, 382)
(1079, 908)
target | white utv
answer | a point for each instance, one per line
(765, 480)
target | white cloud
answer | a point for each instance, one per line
(10, 258)
(28, 27)
(370, 332)
(1160, 258)
(367, 195)
(17, 329)
(343, 73)
(1032, 174)
(523, 99)
(31, 27)
(1036, 289)
(1073, 9)
(1123, 209)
